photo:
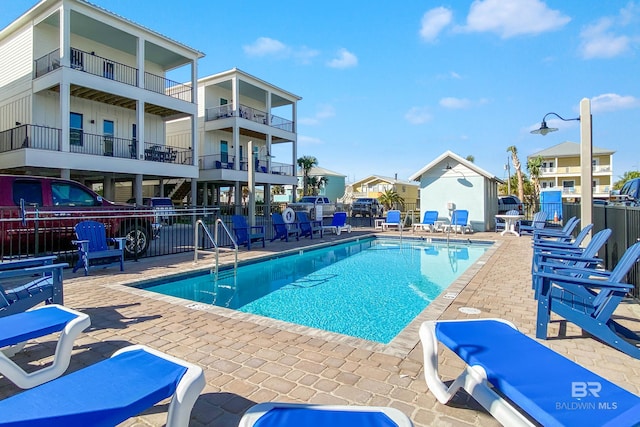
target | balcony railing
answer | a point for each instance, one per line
(248, 113)
(30, 136)
(46, 138)
(572, 170)
(96, 65)
(226, 161)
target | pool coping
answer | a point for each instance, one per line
(400, 346)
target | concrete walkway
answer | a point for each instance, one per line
(249, 359)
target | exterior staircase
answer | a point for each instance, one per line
(181, 190)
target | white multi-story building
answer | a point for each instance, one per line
(234, 110)
(85, 95)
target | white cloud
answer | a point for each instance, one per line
(304, 55)
(613, 102)
(509, 18)
(418, 115)
(265, 46)
(345, 59)
(325, 111)
(455, 103)
(433, 22)
(599, 40)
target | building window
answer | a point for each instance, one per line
(569, 186)
(224, 151)
(75, 129)
(107, 136)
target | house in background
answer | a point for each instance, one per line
(86, 96)
(451, 182)
(561, 169)
(235, 108)
(375, 185)
(333, 187)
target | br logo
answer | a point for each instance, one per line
(584, 389)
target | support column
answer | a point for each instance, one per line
(161, 189)
(65, 173)
(194, 192)
(108, 187)
(137, 189)
(586, 167)
(251, 175)
(237, 198)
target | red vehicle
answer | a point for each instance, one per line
(49, 208)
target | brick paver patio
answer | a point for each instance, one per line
(248, 359)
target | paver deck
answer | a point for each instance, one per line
(249, 359)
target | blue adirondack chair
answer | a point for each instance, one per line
(568, 256)
(93, 246)
(538, 222)
(245, 234)
(283, 230)
(563, 235)
(308, 227)
(589, 303)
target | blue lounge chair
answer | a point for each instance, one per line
(46, 287)
(589, 303)
(428, 221)
(567, 257)
(338, 224)
(563, 244)
(17, 329)
(517, 379)
(392, 220)
(109, 392)
(271, 414)
(93, 246)
(538, 222)
(245, 234)
(460, 221)
(308, 227)
(283, 230)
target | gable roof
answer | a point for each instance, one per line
(452, 156)
(318, 171)
(567, 149)
(388, 179)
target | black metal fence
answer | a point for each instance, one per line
(624, 222)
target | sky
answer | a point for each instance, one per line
(387, 88)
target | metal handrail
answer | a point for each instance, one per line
(213, 239)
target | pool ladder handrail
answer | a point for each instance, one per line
(214, 241)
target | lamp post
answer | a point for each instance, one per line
(586, 157)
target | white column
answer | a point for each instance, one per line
(137, 189)
(65, 86)
(140, 61)
(251, 175)
(65, 173)
(195, 143)
(65, 36)
(140, 128)
(586, 168)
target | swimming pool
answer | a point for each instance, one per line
(369, 288)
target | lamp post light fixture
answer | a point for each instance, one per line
(586, 157)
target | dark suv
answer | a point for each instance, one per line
(366, 206)
(509, 203)
(629, 193)
(49, 208)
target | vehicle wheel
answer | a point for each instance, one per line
(137, 241)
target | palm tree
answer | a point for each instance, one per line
(390, 199)
(516, 164)
(624, 178)
(306, 163)
(471, 158)
(533, 166)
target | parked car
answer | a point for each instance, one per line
(509, 203)
(50, 208)
(629, 194)
(366, 206)
(162, 206)
(310, 205)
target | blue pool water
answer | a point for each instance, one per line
(371, 288)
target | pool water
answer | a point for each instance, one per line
(371, 288)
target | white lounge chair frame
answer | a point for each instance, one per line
(473, 380)
(61, 358)
(254, 413)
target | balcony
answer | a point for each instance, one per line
(572, 170)
(226, 161)
(46, 138)
(248, 113)
(106, 68)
